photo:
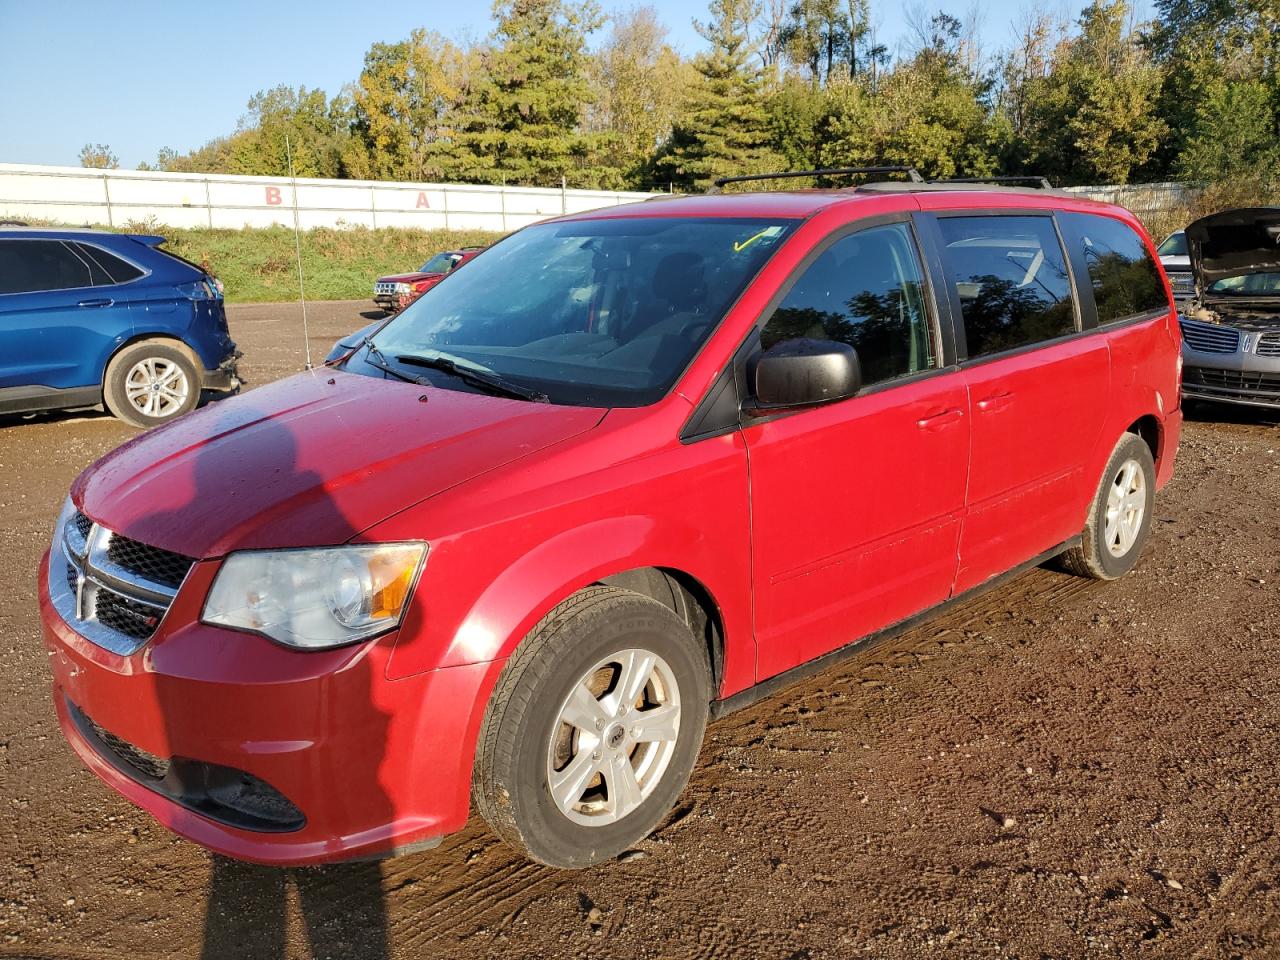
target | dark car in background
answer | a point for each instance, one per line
(399, 290)
(1231, 328)
(89, 318)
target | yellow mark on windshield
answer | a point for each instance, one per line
(739, 247)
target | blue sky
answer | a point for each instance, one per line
(146, 74)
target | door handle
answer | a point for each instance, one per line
(102, 302)
(995, 402)
(940, 420)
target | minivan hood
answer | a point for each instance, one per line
(310, 460)
(1234, 243)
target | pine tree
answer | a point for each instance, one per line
(723, 129)
(521, 123)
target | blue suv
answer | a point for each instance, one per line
(89, 318)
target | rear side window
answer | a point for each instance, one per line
(116, 269)
(1125, 280)
(864, 290)
(27, 266)
(1011, 277)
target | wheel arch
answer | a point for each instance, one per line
(168, 339)
(1149, 428)
(633, 553)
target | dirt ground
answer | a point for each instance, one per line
(1059, 768)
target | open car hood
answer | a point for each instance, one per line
(1234, 243)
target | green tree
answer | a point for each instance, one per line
(1221, 90)
(405, 107)
(723, 127)
(639, 82)
(522, 118)
(98, 156)
(1094, 118)
(934, 111)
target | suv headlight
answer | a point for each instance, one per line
(314, 599)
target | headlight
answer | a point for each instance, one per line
(403, 288)
(313, 599)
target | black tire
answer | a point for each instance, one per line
(172, 356)
(1094, 557)
(511, 785)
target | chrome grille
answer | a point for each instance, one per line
(382, 287)
(114, 591)
(1210, 338)
(1182, 283)
(1268, 345)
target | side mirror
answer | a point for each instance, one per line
(804, 372)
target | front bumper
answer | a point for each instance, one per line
(371, 766)
(1230, 365)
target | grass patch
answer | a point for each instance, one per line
(258, 265)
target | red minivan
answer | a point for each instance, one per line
(630, 470)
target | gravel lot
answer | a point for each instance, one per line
(1056, 769)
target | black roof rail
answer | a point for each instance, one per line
(912, 174)
(1040, 182)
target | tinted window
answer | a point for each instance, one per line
(603, 312)
(116, 270)
(1124, 275)
(1011, 277)
(865, 290)
(31, 265)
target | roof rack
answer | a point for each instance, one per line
(1040, 182)
(912, 174)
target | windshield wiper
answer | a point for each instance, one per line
(479, 378)
(375, 358)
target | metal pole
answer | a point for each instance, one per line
(564, 198)
(502, 196)
(444, 193)
(106, 192)
(208, 202)
(373, 206)
(297, 245)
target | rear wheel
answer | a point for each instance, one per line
(593, 728)
(1119, 516)
(151, 382)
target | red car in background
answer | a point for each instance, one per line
(398, 291)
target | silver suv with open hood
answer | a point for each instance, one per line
(1231, 328)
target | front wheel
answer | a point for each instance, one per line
(1120, 515)
(593, 729)
(151, 382)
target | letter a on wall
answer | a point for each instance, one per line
(273, 197)
(422, 200)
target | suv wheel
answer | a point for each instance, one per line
(593, 728)
(150, 383)
(1120, 515)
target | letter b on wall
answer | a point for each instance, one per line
(273, 197)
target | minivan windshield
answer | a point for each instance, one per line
(1174, 245)
(602, 312)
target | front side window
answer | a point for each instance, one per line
(29, 266)
(1125, 280)
(865, 290)
(1011, 278)
(604, 312)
